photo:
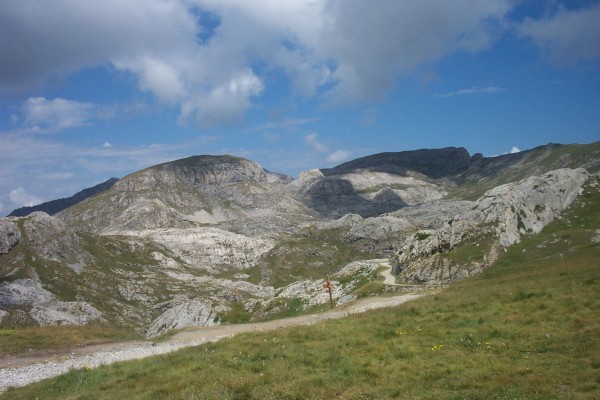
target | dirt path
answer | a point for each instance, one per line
(22, 370)
(389, 279)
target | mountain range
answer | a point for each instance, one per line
(217, 239)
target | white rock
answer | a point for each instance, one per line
(9, 235)
(504, 213)
(195, 312)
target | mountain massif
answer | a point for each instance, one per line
(217, 239)
(54, 206)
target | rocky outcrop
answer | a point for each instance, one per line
(49, 238)
(9, 235)
(596, 237)
(366, 193)
(503, 215)
(182, 313)
(42, 306)
(190, 193)
(211, 249)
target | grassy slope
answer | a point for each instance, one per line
(537, 162)
(527, 328)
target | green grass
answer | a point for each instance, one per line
(311, 255)
(42, 339)
(526, 328)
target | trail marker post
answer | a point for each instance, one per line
(327, 285)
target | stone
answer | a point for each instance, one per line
(596, 237)
(504, 213)
(195, 312)
(9, 235)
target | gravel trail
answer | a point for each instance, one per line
(23, 370)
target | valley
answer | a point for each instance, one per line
(213, 241)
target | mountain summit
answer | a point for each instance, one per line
(207, 240)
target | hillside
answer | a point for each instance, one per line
(54, 206)
(527, 328)
(209, 240)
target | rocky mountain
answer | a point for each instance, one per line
(55, 206)
(217, 239)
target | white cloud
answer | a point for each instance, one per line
(40, 160)
(106, 144)
(42, 115)
(332, 49)
(570, 36)
(514, 150)
(311, 140)
(23, 199)
(225, 103)
(338, 156)
(473, 90)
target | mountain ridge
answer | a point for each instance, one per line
(209, 239)
(55, 206)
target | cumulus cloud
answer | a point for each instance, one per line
(514, 150)
(23, 199)
(570, 36)
(335, 156)
(44, 115)
(214, 71)
(338, 156)
(21, 162)
(312, 141)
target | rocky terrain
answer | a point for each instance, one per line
(210, 240)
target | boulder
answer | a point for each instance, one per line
(183, 314)
(9, 235)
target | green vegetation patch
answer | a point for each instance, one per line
(311, 255)
(41, 339)
(526, 328)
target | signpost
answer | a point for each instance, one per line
(327, 285)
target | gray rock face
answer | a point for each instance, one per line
(379, 228)
(182, 314)
(190, 193)
(596, 237)
(50, 238)
(367, 193)
(210, 249)
(9, 235)
(45, 309)
(196, 171)
(503, 214)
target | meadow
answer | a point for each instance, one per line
(526, 328)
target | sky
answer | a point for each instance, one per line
(96, 89)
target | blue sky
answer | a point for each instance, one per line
(91, 90)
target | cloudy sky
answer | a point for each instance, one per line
(95, 89)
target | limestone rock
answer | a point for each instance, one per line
(49, 238)
(44, 308)
(210, 249)
(311, 291)
(596, 237)
(9, 235)
(503, 213)
(64, 313)
(182, 314)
